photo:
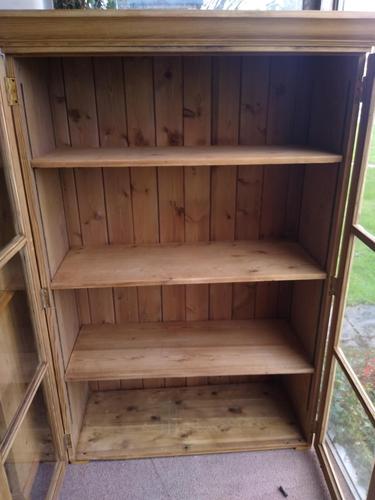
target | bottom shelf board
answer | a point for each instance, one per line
(187, 421)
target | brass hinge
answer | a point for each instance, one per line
(333, 285)
(44, 295)
(68, 441)
(11, 90)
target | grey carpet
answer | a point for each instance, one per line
(232, 476)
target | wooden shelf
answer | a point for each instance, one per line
(178, 264)
(183, 155)
(187, 421)
(181, 349)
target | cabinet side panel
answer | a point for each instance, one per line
(61, 129)
(34, 77)
(332, 97)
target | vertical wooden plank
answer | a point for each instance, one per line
(329, 95)
(301, 122)
(89, 182)
(253, 123)
(169, 132)
(110, 100)
(316, 210)
(254, 99)
(82, 117)
(279, 131)
(280, 128)
(138, 77)
(197, 131)
(225, 120)
(226, 99)
(296, 173)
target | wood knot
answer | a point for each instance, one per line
(74, 114)
(186, 434)
(235, 409)
(168, 74)
(139, 139)
(189, 113)
(174, 137)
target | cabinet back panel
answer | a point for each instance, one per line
(171, 101)
(182, 100)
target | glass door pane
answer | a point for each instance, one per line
(7, 227)
(18, 353)
(31, 460)
(350, 436)
(358, 332)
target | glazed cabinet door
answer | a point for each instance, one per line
(31, 434)
(346, 426)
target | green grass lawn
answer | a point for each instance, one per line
(362, 281)
(371, 157)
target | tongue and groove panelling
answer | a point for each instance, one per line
(168, 101)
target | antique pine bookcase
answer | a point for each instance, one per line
(186, 176)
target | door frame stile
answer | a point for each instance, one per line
(19, 205)
(371, 490)
(5, 492)
(21, 412)
(329, 473)
(56, 481)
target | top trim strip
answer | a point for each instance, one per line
(132, 31)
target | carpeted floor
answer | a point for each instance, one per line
(232, 476)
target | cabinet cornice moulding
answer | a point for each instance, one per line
(63, 32)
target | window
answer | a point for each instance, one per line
(212, 4)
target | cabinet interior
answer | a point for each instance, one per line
(186, 205)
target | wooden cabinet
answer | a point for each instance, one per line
(187, 175)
